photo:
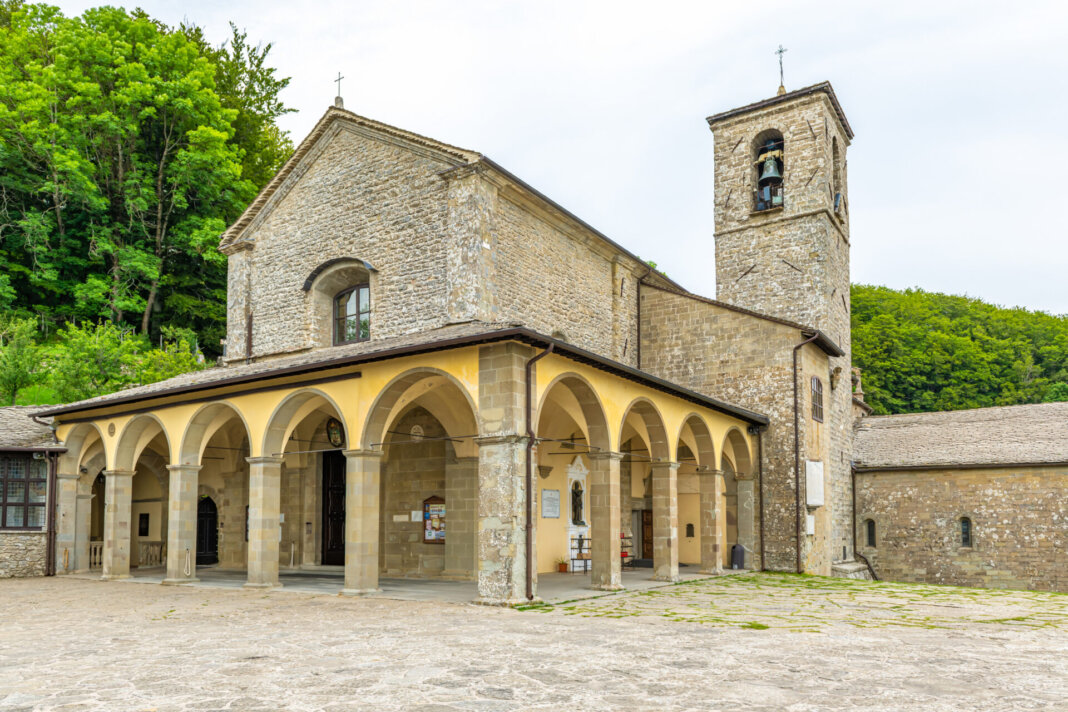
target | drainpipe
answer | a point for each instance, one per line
(530, 468)
(759, 430)
(50, 516)
(638, 317)
(857, 554)
(797, 454)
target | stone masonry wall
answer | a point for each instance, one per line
(22, 554)
(1019, 526)
(553, 282)
(793, 263)
(357, 197)
(741, 359)
(412, 472)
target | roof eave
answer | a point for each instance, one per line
(515, 333)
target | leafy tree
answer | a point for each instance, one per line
(1057, 393)
(20, 362)
(93, 360)
(923, 351)
(126, 147)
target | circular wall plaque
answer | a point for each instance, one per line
(111, 428)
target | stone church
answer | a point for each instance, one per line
(434, 371)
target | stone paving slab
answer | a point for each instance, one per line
(73, 644)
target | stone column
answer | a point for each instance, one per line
(82, 525)
(746, 517)
(182, 524)
(626, 501)
(604, 514)
(461, 514)
(665, 521)
(502, 521)
(502, 495)
(66, 521)
(264, 501)
(711, 487)
(118, 485)
(363, 483)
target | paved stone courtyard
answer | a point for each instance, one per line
(751, 641)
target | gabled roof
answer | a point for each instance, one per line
(447, 337)
(985, 437)
(233, 233)
(824, 342)
(18, 430)
(822, 87)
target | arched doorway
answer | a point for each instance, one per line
(207, 532)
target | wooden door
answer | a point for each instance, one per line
(647, 533)
(333, 509)
(207, 532)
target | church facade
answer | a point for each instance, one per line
(432, 370)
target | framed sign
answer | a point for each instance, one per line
(433, 520)
(550, 504)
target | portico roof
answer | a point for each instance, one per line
(447, 337)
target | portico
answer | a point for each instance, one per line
(434, 449)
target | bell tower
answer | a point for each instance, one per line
(782, 209)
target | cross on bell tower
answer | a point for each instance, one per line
(782, 84)
(338, 102)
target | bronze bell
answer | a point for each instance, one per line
(770, 172)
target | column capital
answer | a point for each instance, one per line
(605, 455)
(363, 453)
(119, 473)
(265, 460)
(709, 472)
(664, 464)
(507, 439)
(68, 476)
(184, 468)
(743, 476)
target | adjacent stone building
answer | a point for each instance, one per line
(432, 370)
(970, 497)
(28, 454)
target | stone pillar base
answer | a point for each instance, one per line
(261, 586)
(718, 571)
(665, 579)
(608, 587)
(114, 577)
(359, 591)
(507, 604)
(178, 581)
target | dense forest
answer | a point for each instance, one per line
(922, 351)
(127, 147)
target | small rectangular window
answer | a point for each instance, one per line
(817, 399)
(871, 532)
(352, 315)
(965, 532)
(23, 489)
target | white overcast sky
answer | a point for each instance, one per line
(957, 173)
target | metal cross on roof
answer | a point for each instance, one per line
(338, 80)
(781, 51)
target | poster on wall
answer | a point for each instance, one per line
(550, 504)
(434, 520)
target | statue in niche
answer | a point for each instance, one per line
(576, 505)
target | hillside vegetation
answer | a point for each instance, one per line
(923, 351)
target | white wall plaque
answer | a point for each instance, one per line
(814, 483)
(417, 515)
(550, 504)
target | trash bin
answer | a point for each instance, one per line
(737, 556)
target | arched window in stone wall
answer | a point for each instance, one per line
(769, 167)
(966, 533)
(352, 314)
(339, 302)
(869, 527)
